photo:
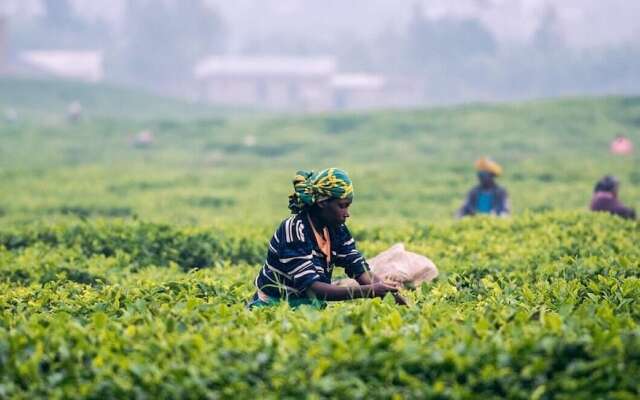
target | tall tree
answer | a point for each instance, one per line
(58, 13)
(165, 39)
(548, 36)
(446, 40)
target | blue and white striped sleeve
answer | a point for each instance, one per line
(294, 255)
(348, 256)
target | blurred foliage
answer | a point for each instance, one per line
(206, 166)
(164, 40)
(124, 270)
(46, 100)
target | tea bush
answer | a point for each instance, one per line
(144, 243)
(538, 306)
(124, 271)
(407, 166)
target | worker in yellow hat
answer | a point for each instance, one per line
(487, 197)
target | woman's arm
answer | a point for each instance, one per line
(328, 292)
(367, 278)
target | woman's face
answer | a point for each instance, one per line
(334, 212)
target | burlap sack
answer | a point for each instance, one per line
(398, 265)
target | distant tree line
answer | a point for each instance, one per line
(460, 60)
(157, 43)
(161, 41)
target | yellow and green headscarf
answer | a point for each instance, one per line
(310, 187)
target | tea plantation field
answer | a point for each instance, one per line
(124, 270)
(210, 168)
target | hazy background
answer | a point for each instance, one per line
(467, 50)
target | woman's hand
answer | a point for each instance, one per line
(330, 292)
(394, 280)
(379, 289)
(390, 287)
(369, 279)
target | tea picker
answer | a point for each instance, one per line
(487, 197)
(308, 245)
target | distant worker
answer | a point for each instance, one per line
(11, 115)
(74, 111)
(487, 197)
(621, 145)
(143, 139)
(605, 198)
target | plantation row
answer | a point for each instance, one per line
(538, 306)
(144, 244)
(406, 166)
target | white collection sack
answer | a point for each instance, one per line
(397, 264)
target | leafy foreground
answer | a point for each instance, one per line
(539, 306)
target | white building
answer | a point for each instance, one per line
(299, 84)
(358, 91)
(279, 83)
(79, 65)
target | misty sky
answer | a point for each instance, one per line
(584, 22)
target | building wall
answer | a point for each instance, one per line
(275, 93)
(358, 99)
(307, 93)
(386, 97)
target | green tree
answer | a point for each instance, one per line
(163, 40)
(548, 36)
(59, 13)
(446, 40)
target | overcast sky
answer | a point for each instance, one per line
(584, 22)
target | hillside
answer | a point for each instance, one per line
(125, 265)
(42, 97)
(408, 166)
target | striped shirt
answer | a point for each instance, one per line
(294, 260)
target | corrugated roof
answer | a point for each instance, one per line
(265, 66)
